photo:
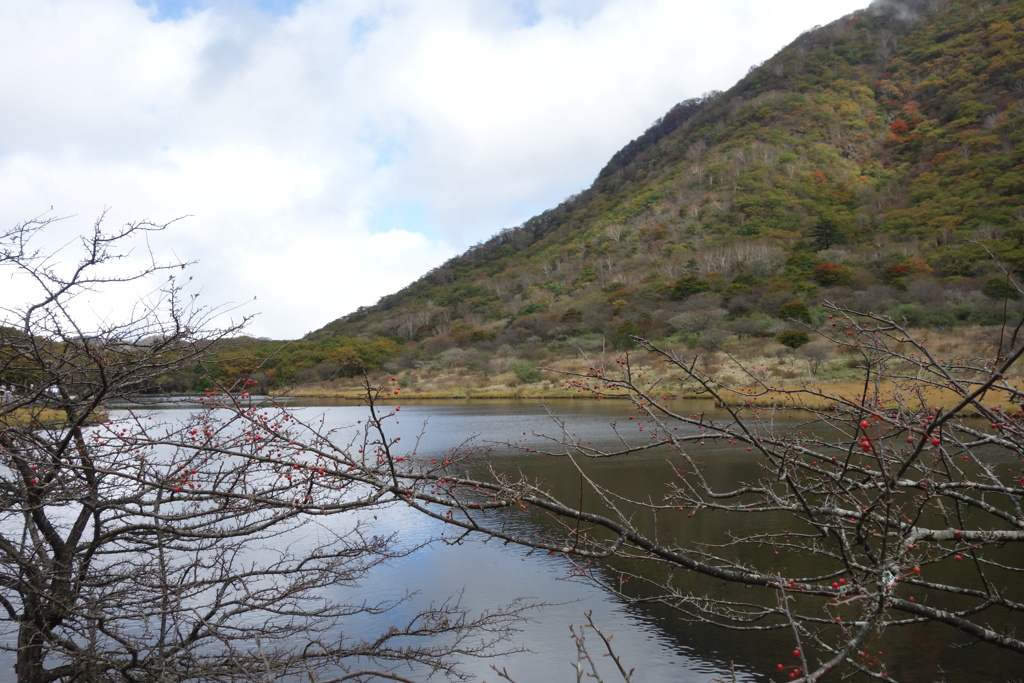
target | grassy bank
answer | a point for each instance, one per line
(755, 372)
(46, 418)
(816, 396)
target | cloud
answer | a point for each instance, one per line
(329, 152)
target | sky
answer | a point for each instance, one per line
(321, 154)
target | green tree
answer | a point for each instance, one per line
(1000, 288)
(526, 372)
(795, 310)
(623, 337)
(687, 286)
(825, 233)
(793, 339)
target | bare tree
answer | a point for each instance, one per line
(903, 501)
(136, 550)
(139, 551)
(815, 354)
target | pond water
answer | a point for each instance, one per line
(656, 642)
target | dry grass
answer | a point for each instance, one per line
(44, 418)
(539, 390)
(885, 395)
(778, 393)
(773, 377)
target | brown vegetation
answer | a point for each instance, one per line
(758, 372)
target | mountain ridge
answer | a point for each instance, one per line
(876, 160)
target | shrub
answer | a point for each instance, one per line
(688, 285)
(526, 372)
(832, 274)
(796, 310)
(999, 288)
(793, 339)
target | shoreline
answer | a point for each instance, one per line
(824, 396)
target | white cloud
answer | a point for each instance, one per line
(330, 154)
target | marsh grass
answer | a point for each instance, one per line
(44, 418)
(754, 372)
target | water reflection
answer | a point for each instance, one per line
(488, 574)
(655, 640)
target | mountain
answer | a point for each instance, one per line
(877, 161)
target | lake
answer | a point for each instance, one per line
(655, 641)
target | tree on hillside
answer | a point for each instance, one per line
(891, 505)
(132, 550)
(793, 339)
(825, 233)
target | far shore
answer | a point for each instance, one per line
(811, 396)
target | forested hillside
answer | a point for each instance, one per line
(877, 161)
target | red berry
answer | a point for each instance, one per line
(865, 424)
(796, 653)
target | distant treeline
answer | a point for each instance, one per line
(261, 365)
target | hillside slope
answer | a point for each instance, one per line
(877, 161)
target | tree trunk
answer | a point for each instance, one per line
(29, 665)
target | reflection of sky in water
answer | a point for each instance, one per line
(490, 574)
(653, 640)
